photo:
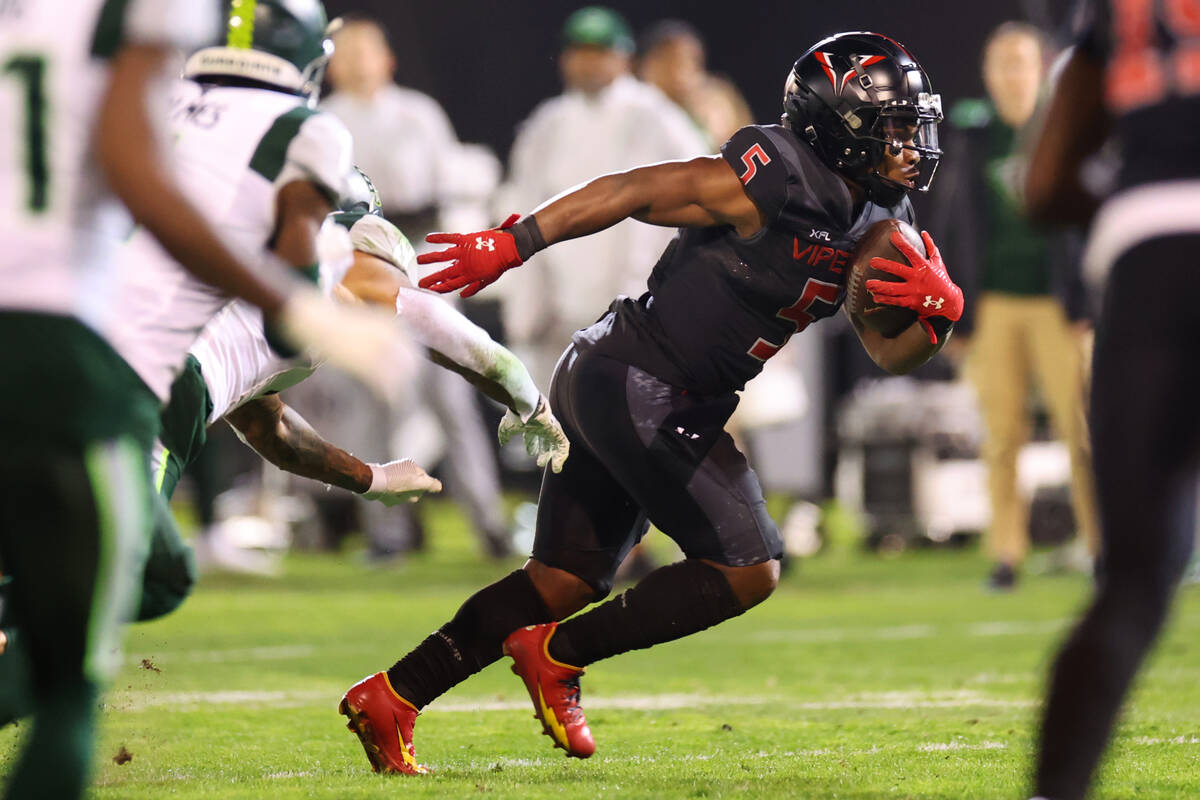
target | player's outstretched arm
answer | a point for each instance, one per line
(1075, 127)
(453, 341)
(281, 436)
(144, 183)
(459, 345)
(697, 193)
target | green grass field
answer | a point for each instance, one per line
(860, 678)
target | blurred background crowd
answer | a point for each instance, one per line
(465, 113)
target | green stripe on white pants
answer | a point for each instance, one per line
(73, 532)
(119, 479)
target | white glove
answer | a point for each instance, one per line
(399, 482)
(365, 342)
(545, 440)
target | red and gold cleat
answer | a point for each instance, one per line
(383, 722)
(554, 688)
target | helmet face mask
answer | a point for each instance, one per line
(857, 98)
(363, 197)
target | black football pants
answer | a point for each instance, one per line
(1146, 438)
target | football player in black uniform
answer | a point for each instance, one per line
(766, 233)
(1135, 65)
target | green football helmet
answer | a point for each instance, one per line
(281, 43)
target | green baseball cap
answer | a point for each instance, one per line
(599, 27)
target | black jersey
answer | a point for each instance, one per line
(1151, 58)
(718, 305)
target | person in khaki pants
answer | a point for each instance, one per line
(1016, 338)
(1027, 321)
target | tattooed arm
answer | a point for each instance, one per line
(281, 436)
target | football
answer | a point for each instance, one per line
(890, 321)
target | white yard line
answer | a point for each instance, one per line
(938, 747)
(1023, 628)
(1154, 740)
(921, 631)
(192, 701)
(287, 652)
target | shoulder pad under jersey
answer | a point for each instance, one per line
(308, 145)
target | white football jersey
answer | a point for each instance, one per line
(58, 222)
(235, 360)
(237, 363)
(234, 148)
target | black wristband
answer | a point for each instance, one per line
(942, 327)
(527, 236)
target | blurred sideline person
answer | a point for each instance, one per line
(671, 56)
(77, 435)
(645, 392)
(1028, 322)
(605, 120)
(1124, 79)
(402, 137)
(426, 178)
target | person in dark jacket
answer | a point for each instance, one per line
(1028, 315)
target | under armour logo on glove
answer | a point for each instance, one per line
(917, 278)
(477, 259)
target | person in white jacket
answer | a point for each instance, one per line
(427, 180)
(604, 121)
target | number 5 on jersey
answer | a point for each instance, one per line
(753, 159)
(799, 314)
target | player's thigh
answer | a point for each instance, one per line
(75, 520)
(587, 522)
(1145, 429)
(669, 450)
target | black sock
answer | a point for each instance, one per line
(470, 641)
(672, 602)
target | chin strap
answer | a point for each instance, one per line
(883, 191)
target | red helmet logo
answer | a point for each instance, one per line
(839, 85)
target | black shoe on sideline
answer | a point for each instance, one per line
(1002, 579)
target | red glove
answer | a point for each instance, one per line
(479, 259)
(926, 288)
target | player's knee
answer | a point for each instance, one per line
(563, 592)
(765, 579)
(752, 584)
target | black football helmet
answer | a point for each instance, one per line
(855, 94)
